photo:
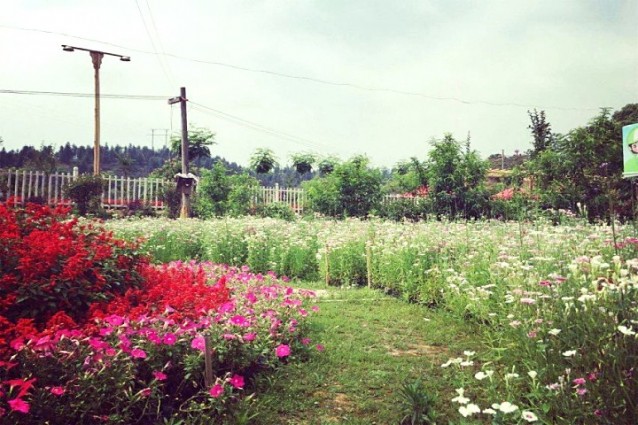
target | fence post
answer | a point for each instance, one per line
(76, 172)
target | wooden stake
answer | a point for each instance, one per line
(208, 362)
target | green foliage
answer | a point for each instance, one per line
(456, 179)
(405, 209)
(584, 167)
(327, 165)
(303, 162)
(86, 192)
(172, 200)
(541, 130)
(276, 210)
(263, 160)
(352, 190)
(416, 403)
(407, 176)
(199, 142)
(242, 194)
(213, 190)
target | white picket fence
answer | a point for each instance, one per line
(21, 186)
(293, 197)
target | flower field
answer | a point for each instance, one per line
(555, 305)
(93, 333)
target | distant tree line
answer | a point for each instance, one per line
(579, 172)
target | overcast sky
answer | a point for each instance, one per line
(332, 77)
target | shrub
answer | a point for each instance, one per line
(172, 199)
(50, 263)
(276, 210)
(408, 209)
(86, 192)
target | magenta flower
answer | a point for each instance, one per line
(145, 392)
(282, 350)
(237, 381)
(216, 390)
(198, 343)
(138, 353)
(169, 339)
(250, 336)
(306, 341)
(320, 347)
(57, 391)
(239, 320)
(19, 405)
(579, 381)
(160, 376)
(114, 320)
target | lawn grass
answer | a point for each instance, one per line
(374, 343)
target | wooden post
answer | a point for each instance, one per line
(369, 262)
(327, 266)
(208, 362)
(24, 187)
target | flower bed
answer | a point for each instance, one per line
(135, 343)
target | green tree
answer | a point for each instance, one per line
(541, 131)
(303, 162)
(263, 160)
(212, 192)
(199, 142)
(353, 189)
(584, 167)
(456, 178)
(241, 195)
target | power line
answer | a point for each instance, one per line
(160, 58)
(319, 80)
(258, 127)
(91, 95)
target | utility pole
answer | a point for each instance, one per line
(153, 130)
(185, 182)
(96, 57)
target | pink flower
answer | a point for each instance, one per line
(305, 341)
(237, 381)
(198, 343)
(114, 320)
(315, 308)
(579, 381)
(239, 320)
(320, 347)
(19, 405)
(581, 391)
(160, 376)
(138, 353)
(228, 337)
(57, 391)
(250, 336)
(528, 301)
(145, 392)
(169, 339)
(282, 350)
(216, 390)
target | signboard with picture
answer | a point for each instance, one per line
(630, 150)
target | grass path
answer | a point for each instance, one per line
(373, 344)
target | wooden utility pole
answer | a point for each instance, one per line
(96, 57)
(185, 208)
